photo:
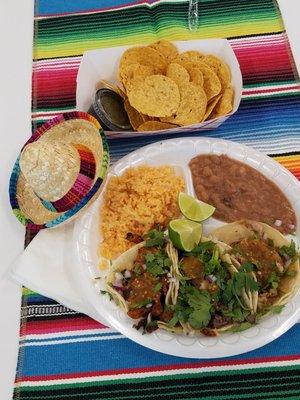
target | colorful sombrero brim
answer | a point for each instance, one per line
(28, 207)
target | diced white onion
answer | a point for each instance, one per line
(127, 274)
(149, 305)
(278, 222)
(118, 283)
(291, 226)
(211, 278)
(118, 275)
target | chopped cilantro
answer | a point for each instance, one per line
(157, 287)
(228, 293)
(105, 292)
(242, 280)
(138, 270)
(203, 247)
(234, 288)
(277, 309)
(246, 267)
(237, 313)
(154, 238)
(199, 317)
(270, 242)
(273, 280)
(214, 263)
(221, 275)
(151, 324)
(173, 321)
(291, 273)
(193, 306)
(197, 298)
(183, 279)
(288, 251)
(156, 263)
(208, 254)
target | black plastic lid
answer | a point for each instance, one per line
(108, 109)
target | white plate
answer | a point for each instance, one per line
(178, 152)
(103, 64)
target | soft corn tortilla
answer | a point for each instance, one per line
(126, 262)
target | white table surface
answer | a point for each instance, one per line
(16, 26)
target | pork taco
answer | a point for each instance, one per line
(144, 282)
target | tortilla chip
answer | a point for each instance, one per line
(213, 61)
(192, 106)
(167, 49)
(189, 56)
(220, 68)
(146, 118)
(224, 105)
(224, 75)
(131, 72)
(156, 96)
(105, 84)
(210, 106)
(196, 76)
(135, 118)
(121, 92)
(155, 126)
(178, 74)
(144, 56)
(211, 83)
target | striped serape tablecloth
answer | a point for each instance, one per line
(67, 356)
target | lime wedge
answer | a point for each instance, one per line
(185, 234)
(194, 209)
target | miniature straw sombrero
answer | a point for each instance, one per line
(59, 171)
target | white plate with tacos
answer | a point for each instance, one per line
(213, 272)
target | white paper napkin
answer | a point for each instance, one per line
(45, 267)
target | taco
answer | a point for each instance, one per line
(242, 272)
(203, 276)
(144, 283)
(270, 258)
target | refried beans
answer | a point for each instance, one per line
(239, 191)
